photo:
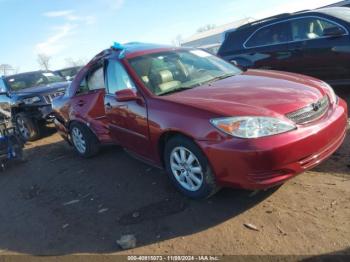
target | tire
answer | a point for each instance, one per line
(27, 127)
(203, 183)
(84, 140)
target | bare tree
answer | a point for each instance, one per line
(177, 41)
(206, 28)
(70, 62)
(6, 69)
(44, 61)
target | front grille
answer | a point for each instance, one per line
(50, 97)
(310, 113)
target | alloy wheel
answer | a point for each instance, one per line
(23, 128)
(186, 168)
(78, 140)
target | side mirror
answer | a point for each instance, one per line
(334, 31)
(126, 95)
(236, 64)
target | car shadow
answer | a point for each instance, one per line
(57, 203)
(344, 93)
(338, 163)
(48, 130)
(341, 256)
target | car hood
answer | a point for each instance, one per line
(255, 92)
(43, 89)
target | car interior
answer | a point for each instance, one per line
(159, 75)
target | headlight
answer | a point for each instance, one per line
(332, 96)
(252, 126)
(31, 100)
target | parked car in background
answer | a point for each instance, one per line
(26, 99)
(68, 73)
(205, 121)
(314, 43)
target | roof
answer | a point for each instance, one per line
(265, 20)
(133, 47)
(329, 10)
(218, 30)
(341, 3)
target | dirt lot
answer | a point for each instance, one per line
(60, 204)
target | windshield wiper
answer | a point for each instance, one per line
(211, 80)
(174, 90)
(219, 78)
(198, 84)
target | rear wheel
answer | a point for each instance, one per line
(27, 127)
(189, 169)
(83, 140)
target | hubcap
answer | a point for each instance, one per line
(23, 129)
(78, 140)
(186, 168)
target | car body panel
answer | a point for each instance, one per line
(128, 123)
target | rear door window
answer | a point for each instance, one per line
(274, 34)
(94, 81)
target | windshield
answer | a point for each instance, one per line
(168, 72)
(28, 80)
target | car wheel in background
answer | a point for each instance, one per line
(27, 127)
(83, 140)
(188, 168)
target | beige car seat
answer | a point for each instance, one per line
(166, 81)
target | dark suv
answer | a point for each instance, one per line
(315, 43)
(26, 99)
(68, 73)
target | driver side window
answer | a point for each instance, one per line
(310, 28)
(117, 78)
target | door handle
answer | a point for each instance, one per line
(108, 106)
(81, 103)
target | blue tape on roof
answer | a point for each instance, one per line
(118, 46)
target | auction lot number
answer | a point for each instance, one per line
(173, 258)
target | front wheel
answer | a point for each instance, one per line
(28, 128)
(83, 140)
(189, 169)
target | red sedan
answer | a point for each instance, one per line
(206, 122)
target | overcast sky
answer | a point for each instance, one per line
(81, 28)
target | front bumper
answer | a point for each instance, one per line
(42, 112)
(270, 161)
(46, 112)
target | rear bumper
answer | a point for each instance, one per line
(270, 161)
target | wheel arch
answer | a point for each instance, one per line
(166, 136)
(80, 122)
